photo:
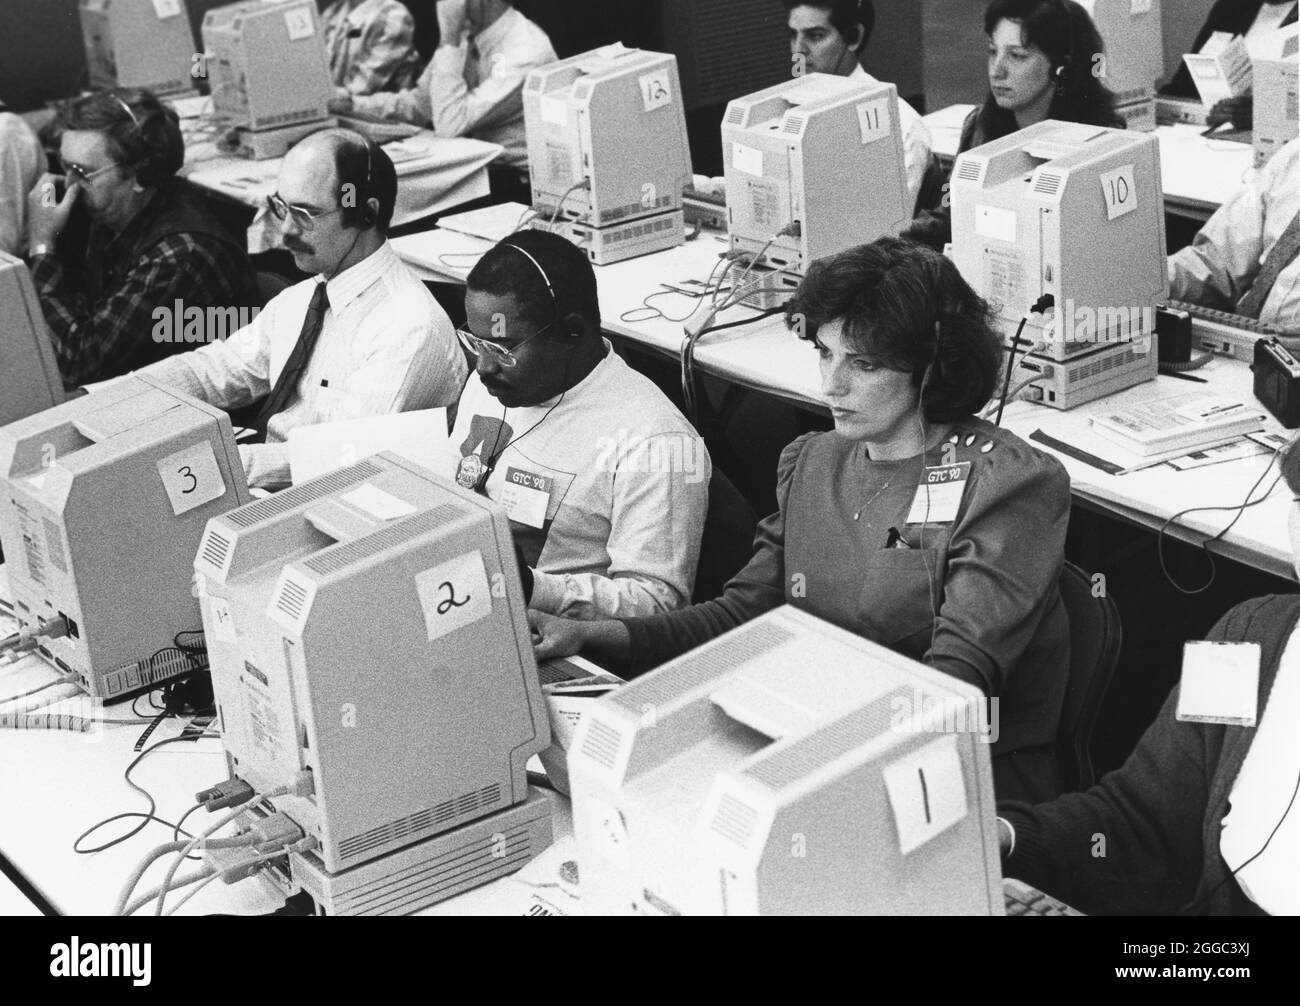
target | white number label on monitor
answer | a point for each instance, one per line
(1141, 7)
(299, 23)
(166, 8)
(873, 120)
(191, 477)
(927, 792)
(223, 622)
(747, 159)
(656, 90)
(1120, 192)
(454, 594)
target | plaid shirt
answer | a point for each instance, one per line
(103, 336)
(371, 46)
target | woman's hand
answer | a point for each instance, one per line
(554, 636)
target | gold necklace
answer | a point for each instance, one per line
(858, 513)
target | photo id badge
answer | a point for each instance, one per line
(1220, 683)
(526, 495)
(938, 496)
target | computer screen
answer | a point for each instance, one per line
(1076, 213)
(105, 499)
(813, 166)
(787, 767)
(1134, 60)
(607, 150)
(29, 376)
(367, 631)
(139, 43)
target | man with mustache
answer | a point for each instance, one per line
(362, 337)
(605, 483)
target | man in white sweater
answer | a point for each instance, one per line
(605, 482)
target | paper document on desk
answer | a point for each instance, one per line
(1222, 69)
(419, 436)
(492, 223)
(1177, 423)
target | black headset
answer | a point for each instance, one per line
(362, 215)
(147, 171)
(1066, 69)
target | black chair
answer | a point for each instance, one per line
(728, 540)
(1095, 638)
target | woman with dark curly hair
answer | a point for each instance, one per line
(964, 578)
(1044, 63)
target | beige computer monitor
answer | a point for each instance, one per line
(29, 377)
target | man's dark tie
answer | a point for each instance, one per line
(1279, 257)
(287, 383)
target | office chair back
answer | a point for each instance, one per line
(1095, 638)
(728, 541)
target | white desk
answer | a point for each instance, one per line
(1149, 497)
(443, 172)
(764, 356)
(1197, 173)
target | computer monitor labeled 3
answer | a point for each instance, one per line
(139, 43)
(607, 151)
(367, 628)
(813, 166)
(1074, 213)
(787, 767)
(105, 499)
(29, 377)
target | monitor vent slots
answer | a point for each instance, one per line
(735, 116)
(602, 743)
(290, 499)
(338, 557)
(1048, 183)
(216, 549)
(819, 749)
(794, 124)
(292, 599)
(734, 821)
(475, 802)
(746, 645)
(1100, 365)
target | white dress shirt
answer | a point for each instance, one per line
(474, 89)
(1219, 266)
(386, 346)
(1267, 21)
(21, 162)
(916, 140)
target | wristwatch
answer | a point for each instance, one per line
(41, 249)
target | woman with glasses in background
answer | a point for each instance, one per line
(152, 243)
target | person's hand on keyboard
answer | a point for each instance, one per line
(1239, 111)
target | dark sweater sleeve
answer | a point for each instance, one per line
(1003, 564)
(1133, 843)
(757, 588)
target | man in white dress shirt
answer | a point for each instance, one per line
(474, 84)
(363, 337)
(828, 36)
(1246, 259)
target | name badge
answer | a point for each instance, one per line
(938, 496)
(1220, 683)
(525, 496)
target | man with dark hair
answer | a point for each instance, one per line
(362, 337)
(604, 481)
(828, 36)
(152, 242)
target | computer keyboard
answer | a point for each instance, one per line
(1021, 899)
(1223, 332)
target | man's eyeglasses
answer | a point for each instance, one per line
(79, 174)
(303, 217)
(494, 351)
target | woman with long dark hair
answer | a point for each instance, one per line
(1046, 60)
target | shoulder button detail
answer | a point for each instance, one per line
(987, 447)
(970, 440)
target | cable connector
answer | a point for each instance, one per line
(26, 639)
(302, 784)
(791, 230)
(1043, 304)
(274, 832)
(230, 793)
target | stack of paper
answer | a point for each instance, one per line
(1178, 423)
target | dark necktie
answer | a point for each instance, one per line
(1282, 255)
(287, 383)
